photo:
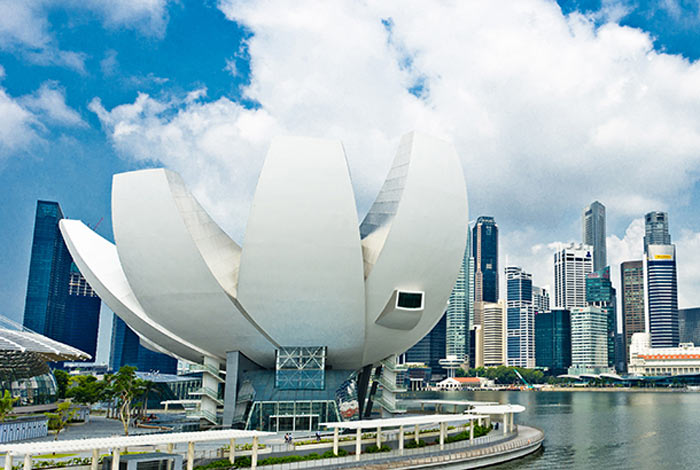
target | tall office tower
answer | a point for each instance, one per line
(540, 299)
(601, 293)
(457, 315)
(689, 325)
(485, 252)
(589, 340)
(520, 314)
(127, 351)
(431, 348)
(571, 266)
(593, 224)
(553, 340)
(494, 332)
(656, 229)
(632, 282)
(476, 347)
(661, 296)
(59, 303)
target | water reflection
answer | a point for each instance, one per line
(635, 430)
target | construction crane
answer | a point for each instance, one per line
(528, 385)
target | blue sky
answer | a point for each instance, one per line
(550, 106)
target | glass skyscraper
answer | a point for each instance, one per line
(431, 348)
(593, 224)
(689, 325)
(485, 252)
(460, 308)
(127, 351)
(520, 319)
(59, 303)
(662, 296)
(632, 282)
(601, 293)
(553, 340)
(656, 229)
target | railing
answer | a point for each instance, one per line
(487, 446)
(203, 414)
(211, 393)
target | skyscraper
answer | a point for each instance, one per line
(553, 340)
(571, 265)
(520, 313)
(485, 252)
(431, 348)
(459, 307)
(656, 229)
(127, 351)
(632, 282)
(593, 224)
(601, 293)
(59, 303)
(589, 342)
(661, 296)
(540, 299)
(494, 332)
(689, 325)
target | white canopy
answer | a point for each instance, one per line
(403, 421)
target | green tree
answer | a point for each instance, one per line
(62, 379)
(86, 389)
(125, 386)
(59, 420)
(7, 404)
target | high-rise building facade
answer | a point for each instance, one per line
(689, 325)
(661, 296)
(126, 350)
(589, 340)
(485, 252)
(494, 332)
(458, 309)
(571, 266)
(593, 224)
(520, 315)
(601, 293)
(632, 282)
(540, 299)
(59, 303)
(553, 340)
(431, 348)
(656, 229)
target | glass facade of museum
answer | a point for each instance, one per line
(27, 376)
(279, 416)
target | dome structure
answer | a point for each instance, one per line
(307, 273)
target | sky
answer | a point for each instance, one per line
(549, 105)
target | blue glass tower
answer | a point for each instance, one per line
(553, 340)
(601, 293)
(662, 296)
(431, 348)
(485, 253)
(520, 321)
(59, 303)
(127, 351)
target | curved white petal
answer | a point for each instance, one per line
(168, 247)
(98, 261)
(413, 239)
(301, 273)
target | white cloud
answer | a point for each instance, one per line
(49, 104)
(688, 253)
(547, 111)
(18, 126)
(25, 28)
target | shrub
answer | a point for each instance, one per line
(412, 444)
(373, 449)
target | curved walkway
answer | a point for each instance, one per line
(483, 452)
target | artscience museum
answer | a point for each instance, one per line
(289, 325)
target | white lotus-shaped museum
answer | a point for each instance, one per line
(306, 274)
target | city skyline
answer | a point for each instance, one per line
(99, 94)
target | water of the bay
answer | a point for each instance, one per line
(614, 430)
